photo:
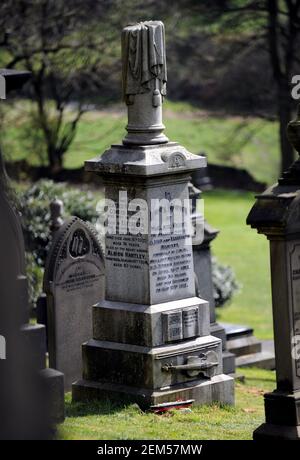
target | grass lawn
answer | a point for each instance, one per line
(104, 421)
(234, 141)
(250, 143)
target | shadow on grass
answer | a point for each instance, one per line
(107, 407)
(94, 407)
(258, 379)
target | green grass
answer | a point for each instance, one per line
(106, 421)
(231, 140)
(248, 254)
(249, 143)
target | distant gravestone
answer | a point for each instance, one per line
(74, 282)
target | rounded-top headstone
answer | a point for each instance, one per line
(73, 282)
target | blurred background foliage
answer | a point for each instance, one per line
(33, 204)
(230, 64)
(225, 57)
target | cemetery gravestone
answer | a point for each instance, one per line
(56, 221)
(276, 214)
(204, 280)
(240, 347)
(73, 282)
(151, 341)
(24, 412)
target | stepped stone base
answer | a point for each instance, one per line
(263, 360)
(282, 417)
(249, 351)
(244, 346)
(217, 389)
(276, 432)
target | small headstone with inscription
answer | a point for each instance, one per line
(276, 215)
(73, 282)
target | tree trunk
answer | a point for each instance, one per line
(285, 115)
(55, 161)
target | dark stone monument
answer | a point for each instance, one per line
(276, 215)
(73, 282)
(24, 411)
(151, 338)
(56, 221)
(203, 274)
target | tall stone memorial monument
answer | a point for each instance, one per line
(151, 339)
(276, 214)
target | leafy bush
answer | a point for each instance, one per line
(224, 282)
(34, 207)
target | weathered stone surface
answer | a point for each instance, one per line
(149, 160)
(144, 81)
(74, 281)
(137, 366)
(137, 265)
(53, 381)
(218, 388)
(143, 324)
(35, 339)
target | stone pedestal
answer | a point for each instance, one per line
(151, 325)
(151, 336)
(276, 214)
